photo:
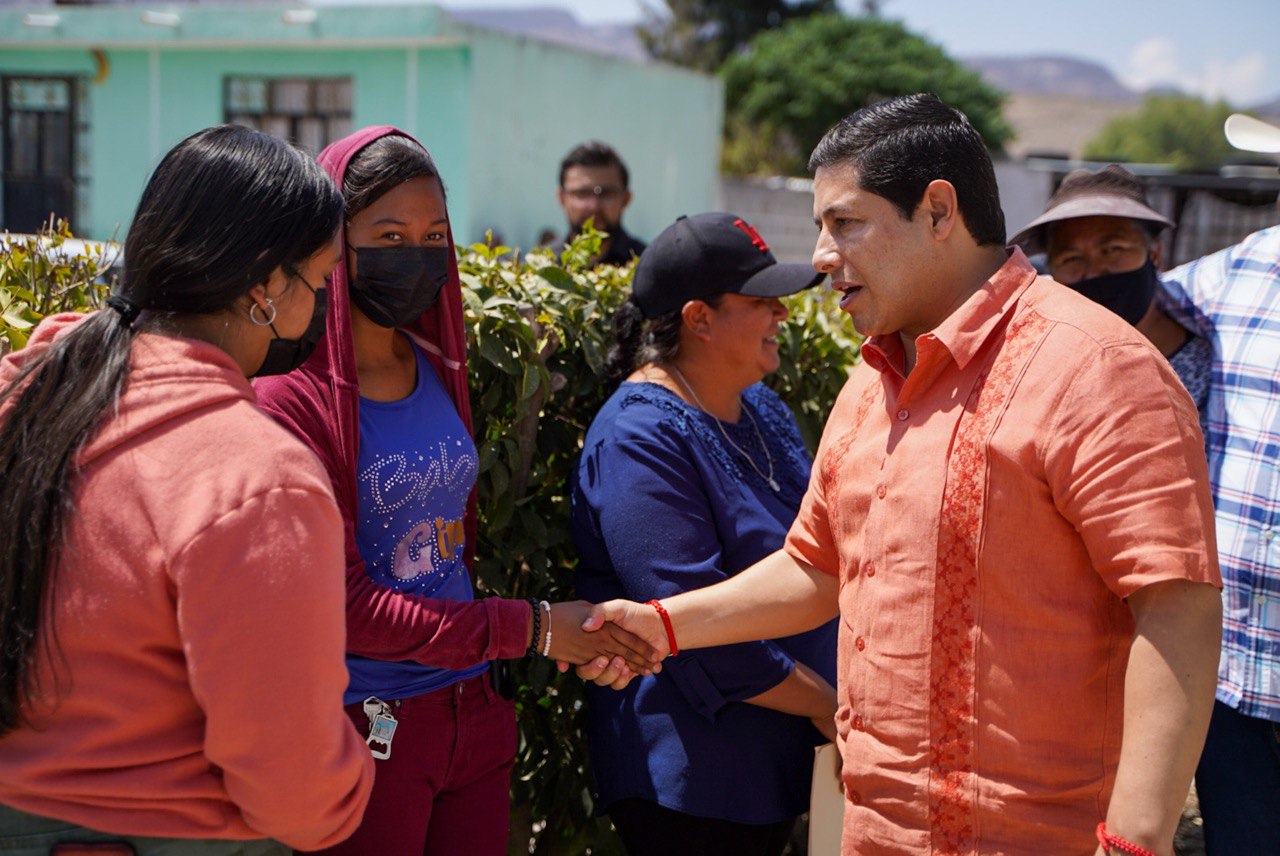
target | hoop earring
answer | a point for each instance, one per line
(270, 319)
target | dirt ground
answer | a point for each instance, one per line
(1189, 839)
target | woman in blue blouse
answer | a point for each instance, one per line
(691, 472)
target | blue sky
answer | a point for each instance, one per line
(1226, 48)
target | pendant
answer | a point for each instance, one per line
(773, 484)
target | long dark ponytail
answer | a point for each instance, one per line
(223, 209)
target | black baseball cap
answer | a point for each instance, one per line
(708, 254)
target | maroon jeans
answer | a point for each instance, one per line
(446, 789)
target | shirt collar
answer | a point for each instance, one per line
(964, 332)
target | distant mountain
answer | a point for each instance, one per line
(1269, 108)
(558, 26)
(1051, 75)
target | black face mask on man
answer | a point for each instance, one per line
(1127, 294)
(395, 285)
(285, 355)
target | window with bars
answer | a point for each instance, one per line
(44, 140)
(310, 111)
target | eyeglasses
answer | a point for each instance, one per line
(604, 194)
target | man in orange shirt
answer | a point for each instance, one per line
(1009, 511)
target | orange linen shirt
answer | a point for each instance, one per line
(986, 515)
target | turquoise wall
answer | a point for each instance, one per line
(125, 144)
(497, 112)
(532, 102)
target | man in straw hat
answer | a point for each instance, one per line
(1232, 298)
(1010, 513)
(1102, 238)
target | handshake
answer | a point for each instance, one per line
(608, 643)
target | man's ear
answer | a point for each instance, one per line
(626, 199)
(941, 206)
(696, 316)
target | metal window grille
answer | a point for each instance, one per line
(309, 111)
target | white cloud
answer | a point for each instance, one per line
(1239, 81)
(1153, 62)
(1157, 62)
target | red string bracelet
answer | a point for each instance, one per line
(1110, 842)
(666, 622)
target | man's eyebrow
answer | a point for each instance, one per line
(829, 211)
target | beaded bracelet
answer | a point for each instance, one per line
(537, 627)
(546, 647)
(1111, 842)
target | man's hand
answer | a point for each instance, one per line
(579, 634)
(640, 622)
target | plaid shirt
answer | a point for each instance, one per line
(1232, 298)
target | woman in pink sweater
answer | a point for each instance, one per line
(170, 558)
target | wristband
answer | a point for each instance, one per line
(546, 646)
(666, 622)
(537, 627)
(1111, 842)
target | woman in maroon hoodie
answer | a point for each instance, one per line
(384, 403)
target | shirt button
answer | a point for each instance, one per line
(880, 491)
(903, 415)
(860, 643)
(871, 569)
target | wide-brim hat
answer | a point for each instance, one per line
(708, 254)
(1252, 135)
(1112, 191)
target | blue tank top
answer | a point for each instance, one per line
(416, 467)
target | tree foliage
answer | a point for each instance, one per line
(702, 33)
(1170, 129)
(793, 84)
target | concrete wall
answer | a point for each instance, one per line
(781, 210)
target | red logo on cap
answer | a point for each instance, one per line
(752, 234)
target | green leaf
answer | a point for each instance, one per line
(530, 384)
(558, 277)
(15, 321)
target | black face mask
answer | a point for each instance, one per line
(1128, 294)
(285, 355)
(395, 285)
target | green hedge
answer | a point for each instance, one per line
(539, 330)
(39, 276)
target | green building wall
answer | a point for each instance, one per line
(497, 112)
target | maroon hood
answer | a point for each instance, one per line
(320, 401)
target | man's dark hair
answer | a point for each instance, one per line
(595, 153)
(901, 144)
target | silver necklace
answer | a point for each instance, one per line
(773, 485)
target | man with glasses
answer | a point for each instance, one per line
(594, 186)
